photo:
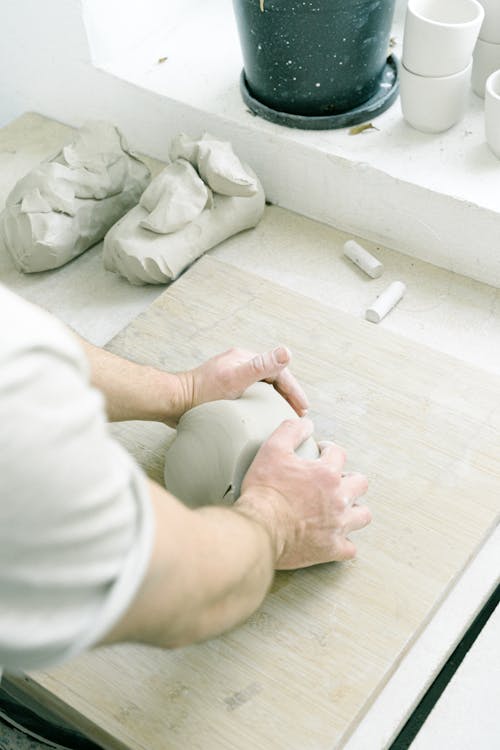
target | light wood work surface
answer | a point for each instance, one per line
(301, 673)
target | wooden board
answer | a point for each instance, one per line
(303, 670)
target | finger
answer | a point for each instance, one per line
(345, 550)
(264, 366)
(357, 518)
(290, 434)
(353, 486)
(272, 368)
(332, 454)
(287, 385)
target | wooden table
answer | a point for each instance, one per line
(304, 670)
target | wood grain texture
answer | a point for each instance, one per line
(302, 671)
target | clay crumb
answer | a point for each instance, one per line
(162, 60)
(392, 42)
(357, 129)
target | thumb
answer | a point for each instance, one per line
(263, 366)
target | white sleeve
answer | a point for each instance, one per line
(76, 525)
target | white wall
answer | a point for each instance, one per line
(116, 26)
(46, 66)
(43, 52)
(49, 50)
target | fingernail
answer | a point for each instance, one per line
(281, 355)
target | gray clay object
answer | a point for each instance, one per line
(203, 197)
(67, 204)
(216, 443)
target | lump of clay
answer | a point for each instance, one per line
(216, 443)
(216, 163)
(66, 205)
(175, 198)
(203, 197)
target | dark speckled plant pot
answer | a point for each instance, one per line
(314, 58)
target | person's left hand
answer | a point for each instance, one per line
(228, 375)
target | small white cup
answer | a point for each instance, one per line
(440, 35)
(486, 61)
(490, 30)
(492, 112)
(434, 104)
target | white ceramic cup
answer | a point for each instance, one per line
(434, 104)
(486, 61)
(490, 30)
(440, 35)
(492, 112)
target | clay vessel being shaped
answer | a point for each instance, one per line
(216, 443)
(203, 197)
(66, 205)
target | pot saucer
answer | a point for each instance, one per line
(387, 91)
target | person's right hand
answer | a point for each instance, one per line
(309, 507)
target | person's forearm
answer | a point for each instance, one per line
(236, 568)
(134, 391)
(211, 569)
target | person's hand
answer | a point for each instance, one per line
(228, 375)
(309, 507)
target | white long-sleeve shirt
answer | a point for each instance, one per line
(76, 525)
